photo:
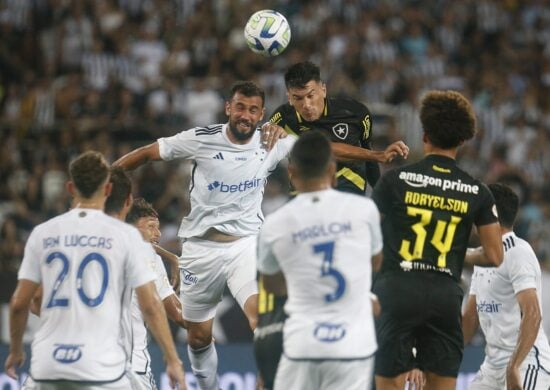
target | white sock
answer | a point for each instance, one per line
(204, 363)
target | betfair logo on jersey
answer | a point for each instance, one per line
(488, 307)
(419, 180)
(67, 353)
(329, 333)
(241, 187)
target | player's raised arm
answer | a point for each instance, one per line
(139, 157)
(490, 254)
(345, 152)
(155, 317)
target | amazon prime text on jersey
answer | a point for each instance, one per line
(420, 180)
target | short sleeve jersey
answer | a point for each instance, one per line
(498, 310)
(323, 243)
(228, 179)
(141, 360)
(343, 120)
(86, 262)
(429, 208)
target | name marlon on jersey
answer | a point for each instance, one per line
(241, 187)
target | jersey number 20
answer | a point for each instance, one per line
(63, 302)
(327, 249)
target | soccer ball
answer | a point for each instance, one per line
(267, 33)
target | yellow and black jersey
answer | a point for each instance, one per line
(343, 120)
(429, 208)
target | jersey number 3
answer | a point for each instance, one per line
(92, 257)
(442, 238)
(327, 249)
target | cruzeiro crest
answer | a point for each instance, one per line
(340, 130)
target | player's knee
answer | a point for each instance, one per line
(198, 338)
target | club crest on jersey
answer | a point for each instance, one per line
(67, 353)
(340, 130)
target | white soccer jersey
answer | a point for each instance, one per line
(228, 179)
(86, 262)
(323, 243)
(141, 360)
(499, 313)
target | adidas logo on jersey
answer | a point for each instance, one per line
(241, 187)
(218, 156)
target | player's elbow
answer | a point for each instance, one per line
(494, 255)
(18, 306)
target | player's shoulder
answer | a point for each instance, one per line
(205, 131)
(346, 104)
(283, 113)
(517, 247)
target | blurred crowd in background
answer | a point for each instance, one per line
(112, 75)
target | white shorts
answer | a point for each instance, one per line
(124, 383)
(533, 377)
(324, 374)
(144, 381)
(207, 266)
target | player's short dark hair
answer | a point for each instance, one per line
(248, 89)
(507, 203)
(88, 171)
(447, 118)
(122, 187)
(301, 73)
(311, 154)
(141, 209)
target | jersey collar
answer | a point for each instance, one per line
(438, 158)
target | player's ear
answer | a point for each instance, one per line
(331, 172)
(288, 98)
(128, 201)
(291, 171)
(70, 187)
(263, 113)
(227, 108)
(107, 189)
(324, 88)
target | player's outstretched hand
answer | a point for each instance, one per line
(396, 149)
(415, 378)
(271, 134)
(15, 360)
(174, 370)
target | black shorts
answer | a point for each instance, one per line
(268, 341)
(421, 310)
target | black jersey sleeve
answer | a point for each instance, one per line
(372, 169)
(487, 209)
(381, 192)
(277, 117)
(285, 116)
